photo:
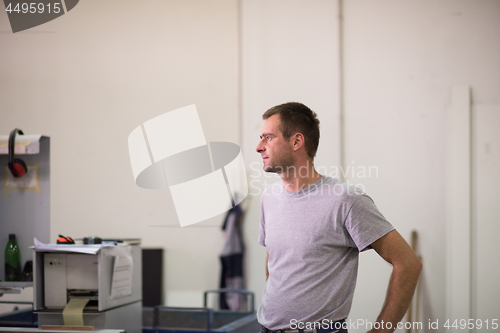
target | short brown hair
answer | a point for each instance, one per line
(296, 117)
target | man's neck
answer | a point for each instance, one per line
(300, 177)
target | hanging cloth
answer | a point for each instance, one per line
(232, 262)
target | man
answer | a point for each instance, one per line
(314, 227)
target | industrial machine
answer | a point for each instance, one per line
(98, 284)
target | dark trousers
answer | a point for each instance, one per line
(335, 327)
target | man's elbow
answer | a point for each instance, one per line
(409, 266)
(415, 266)
(418, 266)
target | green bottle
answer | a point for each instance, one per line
(12, 260)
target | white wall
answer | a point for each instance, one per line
(87, 79)
(90, 77)
(401, 61)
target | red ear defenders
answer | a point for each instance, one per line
(16, 166)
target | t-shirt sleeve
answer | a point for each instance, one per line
(262, 229)
(365, 223)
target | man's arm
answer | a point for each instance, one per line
(406, 268)
(267, 267)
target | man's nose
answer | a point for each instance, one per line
(260, 147)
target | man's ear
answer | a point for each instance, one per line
(298, 141)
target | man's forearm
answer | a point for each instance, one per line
(401, 288)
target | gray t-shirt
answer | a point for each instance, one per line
(313, 238)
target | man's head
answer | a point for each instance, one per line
(290, 129)
(297, 118)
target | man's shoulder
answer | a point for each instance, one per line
(340, 190)
(327, 186)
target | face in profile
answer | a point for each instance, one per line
(276, 152)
